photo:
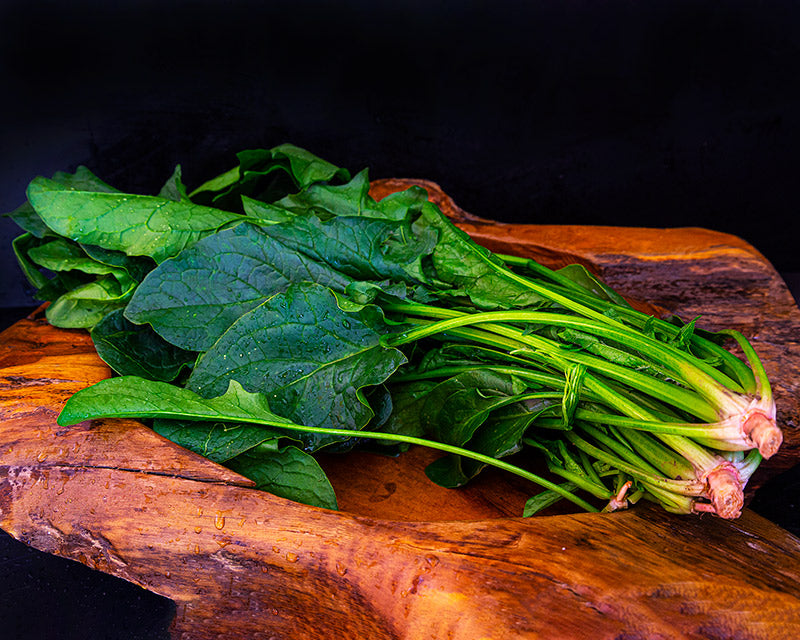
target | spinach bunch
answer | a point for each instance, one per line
(278, 311)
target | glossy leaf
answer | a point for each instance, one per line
(301, 345)
(137, 225)
(287, 472)
(217, 441)
(136, 350)
(192, 299)
(84, 306)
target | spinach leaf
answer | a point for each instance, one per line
(136, 350)
(361, 247)
(469, 267)
(217, 441)
(287, 472)
(192, 299)
(22, 245)
(61, 254)
(28, 220)
(83, 306)
(326, 201)
(174, 189)
(25, 215)
(137, 267)
(581, 275)
(300, 345)
(267, 175)
(135, 397)
(264, 212)
(137, 225)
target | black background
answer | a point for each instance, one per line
(652, 114)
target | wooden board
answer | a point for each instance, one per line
(404, 558)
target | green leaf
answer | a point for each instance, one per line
(363, 248)
(22, 245)
(456, 407)
(28, 220)
(25, 215)
(63, 255)
(408, 401)
(473, 269)
(135, 350)
(83, 180)
(325, 200)
(545, 499)
(137, 267)
(135, 397)
(299, 346)
(268, 175)
(137, 225)
(174, 189)
(84, 306)
(289, 473)
(402, 205)
(217, 441)
(581, 275)
(192, 299)
(499, 434)
(264, 212)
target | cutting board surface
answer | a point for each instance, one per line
(405, 558)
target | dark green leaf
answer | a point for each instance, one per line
(174, 189)
(217, 441)
(268, 175)
(473, 269)
(297, 346)
(580, 275)
(25, 215)
(545, 499)
(22, 245)
(456, 407)
(192, 299)
(363, 248)
(137, 267)
(289, 473)
(401, 205)
(135, 350)
(63, 255)
(28, 220)
(265, 212)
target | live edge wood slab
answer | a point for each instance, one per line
(403, 558)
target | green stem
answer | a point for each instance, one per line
(694, 373)
(706, 348)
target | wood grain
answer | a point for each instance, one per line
(404, 558)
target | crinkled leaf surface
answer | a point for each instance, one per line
(137, 350)
(307, 355)
(363, 248)
(268, 175)
(467, 266)
(192, 299)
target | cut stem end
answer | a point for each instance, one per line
(725, 491)
(764, 433)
